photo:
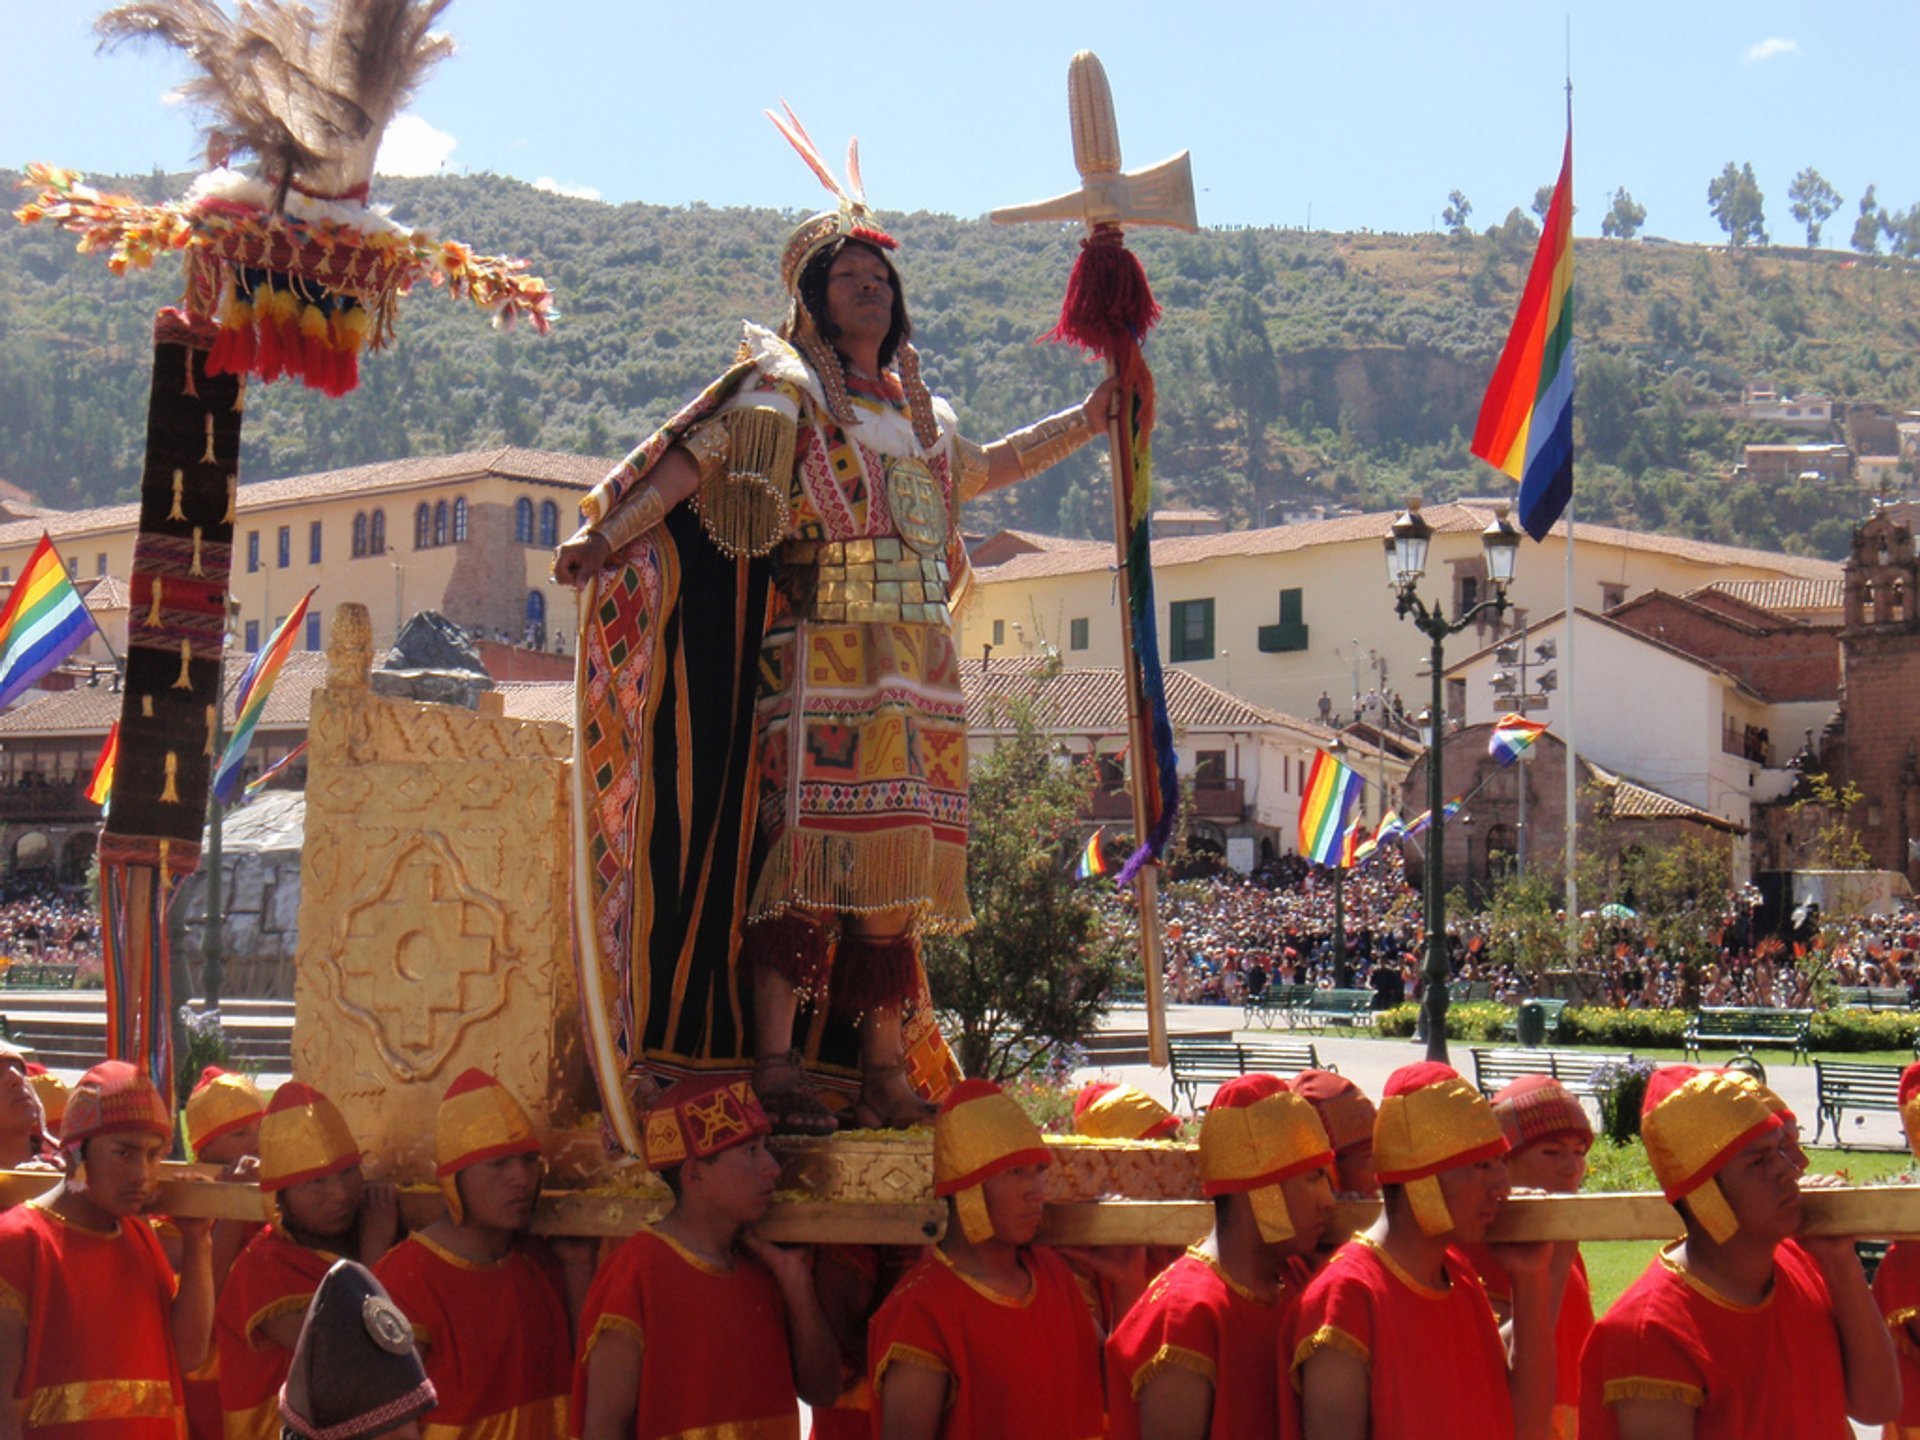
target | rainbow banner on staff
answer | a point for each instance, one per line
(273, 771)
(1526, 420)
(1511, 736)
(100, 787)
(256, 684)
(1332, 791)
(1418, 825)
(45, 621)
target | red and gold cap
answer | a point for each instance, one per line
(1106, 1111)
(302, 1137)
(698, 1118)
(1537, 1108)
(1343, 1106)
(1910, 1105)
(221, 1103)
(1431, 1120)
(1256, 1135)
(478, 1120)
(111, 1098)
(1693, 1122)
(979, 1133)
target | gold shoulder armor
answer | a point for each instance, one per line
(746, 464)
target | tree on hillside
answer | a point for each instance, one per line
(1734, 198)
(1866, 229)
(1454, 217)
(1623, 218)
(1241, 360)
(1035, 973)
(1814, 201)
(1542, 202)
(1515, 238)
(1609, 403)
(1902, 229)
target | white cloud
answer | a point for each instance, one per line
(413, 147)
(1771, 48)
(568, 188)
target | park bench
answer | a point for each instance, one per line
(38, 975)
(1744, 1027)
(1574, 1069)
(1338, 1007)
(1552, 1009)
(1212, 1063)
(1840, 1085)
(1872, 997)
(1277, 1002)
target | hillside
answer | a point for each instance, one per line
(1294, 367)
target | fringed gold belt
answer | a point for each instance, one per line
(857, 582)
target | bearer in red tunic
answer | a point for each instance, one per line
(1550, 1135)
(310, 1166)
(1197, 1357)
(696, 1327)
(93, 1331)
(1732, 1334)
(1896, 1284)
(222, 1121)
(1395, 1337)
(489, 1305)
(987, 1335)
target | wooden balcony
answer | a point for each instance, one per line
(1218, 800)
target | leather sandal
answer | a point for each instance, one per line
(788, 1095)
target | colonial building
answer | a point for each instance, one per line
(1280, 615)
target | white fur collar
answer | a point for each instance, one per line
(777, 358)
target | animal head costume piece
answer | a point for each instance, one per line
(1431, 1120)
(1256, 1135)
(297, 271)
(850, 219)
(1693, 1122)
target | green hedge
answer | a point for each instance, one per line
(1606, 1028)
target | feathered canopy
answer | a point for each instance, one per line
(309, 95)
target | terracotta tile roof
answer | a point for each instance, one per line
(91, 709)
(547, 701)
(1535, 627)
(1786, 596)
(548, 467)
(1082, 557)
(1634, 801)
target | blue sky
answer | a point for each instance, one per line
(1349, 115)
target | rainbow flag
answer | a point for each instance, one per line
(265, 777)
(256, 683)
(1091, 862)
(1332, 791)
(1512, 735)
(101, 785)
(1350, 845)
(1418, 825)
(44, 622)
(1526, 420)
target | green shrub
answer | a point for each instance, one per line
(1619, 1090)
(1850, 1030)
(1480, 1021)
(1607, 1028)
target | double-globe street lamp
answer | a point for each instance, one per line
(1406, 550)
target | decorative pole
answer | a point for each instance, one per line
(1107, 312)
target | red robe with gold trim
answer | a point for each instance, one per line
(1570, 1330)
(1896, 1286)
(1771, 1371)
(1030, 1368)
(714, 1357)
(1192, 1316)
(98, 1308)
(274, 1276)
(494, 1338)
(1436, 1367)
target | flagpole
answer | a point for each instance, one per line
(1573, 682)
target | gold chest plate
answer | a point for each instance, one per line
(918, 511)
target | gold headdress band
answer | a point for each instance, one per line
(851, 219)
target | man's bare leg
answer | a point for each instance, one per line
(782, 949)
(887, 1097)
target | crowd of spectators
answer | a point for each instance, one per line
(48, 924)
(1228, 937)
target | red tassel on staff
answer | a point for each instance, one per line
(1109, 307)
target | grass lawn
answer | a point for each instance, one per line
(1612, 1265)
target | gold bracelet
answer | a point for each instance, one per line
(632, 518)
(974, 466)
(709, 445)
(1050, 441)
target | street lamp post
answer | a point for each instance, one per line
(1406, 553)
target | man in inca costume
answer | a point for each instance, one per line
(771, 761)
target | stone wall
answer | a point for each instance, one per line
(433, 911)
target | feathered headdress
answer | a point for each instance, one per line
(851, 219)
(299, 274)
